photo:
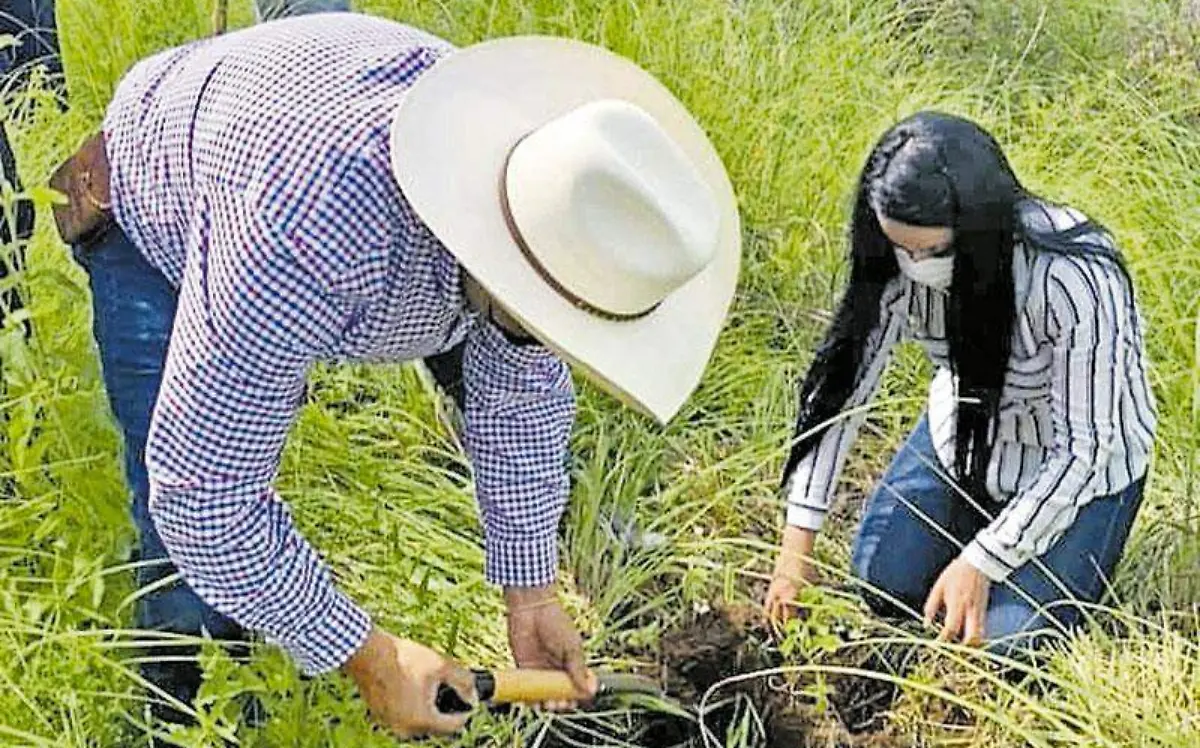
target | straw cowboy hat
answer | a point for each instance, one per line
(584, 198)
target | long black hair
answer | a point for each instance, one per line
(935, 169)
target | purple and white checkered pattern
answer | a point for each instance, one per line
(253, 170)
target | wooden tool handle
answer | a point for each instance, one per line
(525, 686)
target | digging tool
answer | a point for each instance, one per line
(528, 686)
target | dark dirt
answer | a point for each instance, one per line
(715, 646)
(711, 647)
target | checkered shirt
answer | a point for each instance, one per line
(253, 170)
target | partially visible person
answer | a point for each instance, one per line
(31, 26)
(1014, 495)
(266, 10)
(34, 31)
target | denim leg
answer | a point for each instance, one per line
(266, 10)
(901, 546)
(1082, 560)
(133, 311)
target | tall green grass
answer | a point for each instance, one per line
(1096, 105)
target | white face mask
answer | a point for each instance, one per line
(935, 272)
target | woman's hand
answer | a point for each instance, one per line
(793, 572)
(962, 591)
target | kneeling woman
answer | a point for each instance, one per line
(1014, 495)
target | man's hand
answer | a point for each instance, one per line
(398, 679)
(792, 573)
(542, 635)
(962, 590)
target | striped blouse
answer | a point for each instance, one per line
(1077, 416)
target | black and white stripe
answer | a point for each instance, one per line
(1077, 416)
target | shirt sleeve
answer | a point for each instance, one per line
(1090, 324)
(247, 326)
(811, 488)
(520, 407)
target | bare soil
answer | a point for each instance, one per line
(707, 650)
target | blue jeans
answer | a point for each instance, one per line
(133, 308)
(900, 554)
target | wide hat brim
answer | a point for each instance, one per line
(450, 139)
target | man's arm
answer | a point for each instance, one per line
(520, 407)
(247, 325)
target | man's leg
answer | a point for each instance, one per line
(134, 309)
(1038, 600)
(901, 546)
(266, 10)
